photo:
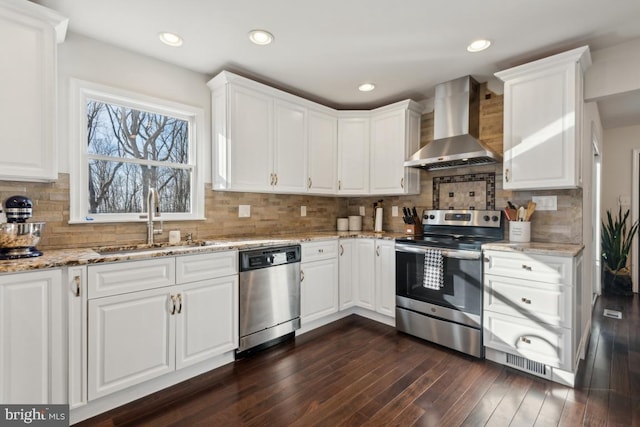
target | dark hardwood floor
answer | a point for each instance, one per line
(359, 372)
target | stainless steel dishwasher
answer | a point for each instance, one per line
(269, 296)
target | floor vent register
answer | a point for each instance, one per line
(614, 314)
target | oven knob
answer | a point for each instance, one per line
(494, 218)
(432, 216)
(486, 217)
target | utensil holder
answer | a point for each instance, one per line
(520, 231)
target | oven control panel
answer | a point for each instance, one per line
(468, 218)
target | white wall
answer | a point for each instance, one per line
(94, 61)
(617, 165)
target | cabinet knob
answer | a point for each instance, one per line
(76, 281)
(526, 300)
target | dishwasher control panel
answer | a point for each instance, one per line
(269, 256)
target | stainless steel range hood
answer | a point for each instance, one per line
(456, 127)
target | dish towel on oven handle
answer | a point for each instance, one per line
(433, 269)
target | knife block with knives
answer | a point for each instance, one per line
(412, 222)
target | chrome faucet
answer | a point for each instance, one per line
(153, 210)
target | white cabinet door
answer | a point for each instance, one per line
(75, 289)
(323, 153)
(319, 289)
(347, 267)
(395, 135)
(364, 279)
(28, 88)
(131, 340)
(353, 155)
(386, 277)
(206, 319)
(30, 337)
(250, 140)
(290, 153)
(543, 104)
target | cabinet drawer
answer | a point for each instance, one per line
(542, 268)
(313, 251)
(129, 276)
(193, 268)
(543, 302)
(541, 343)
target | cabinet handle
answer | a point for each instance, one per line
(76, 280)
(173, 305)
(180, 303)
(339, 185)
(301, 276)
(526, 300)
(506, 175)
(270, 179)
(525, 340)
(341, 250)
(526, 267)
(276, 177)
(378, 250)
(402, 183)
(309, 182)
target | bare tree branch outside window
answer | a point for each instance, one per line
(131, 150)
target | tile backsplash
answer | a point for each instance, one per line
(468, 191)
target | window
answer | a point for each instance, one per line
(123, 144)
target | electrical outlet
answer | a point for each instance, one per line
(303, 211)
(545, 203)
(394, 211)
(244, 211)
(361, 210)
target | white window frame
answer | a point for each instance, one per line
(81, 91)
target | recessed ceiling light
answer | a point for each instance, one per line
(260, 37)
(478, 45)
(170, 39)
(366, 87)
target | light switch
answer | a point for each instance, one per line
(303, 211)
(361, 210)
(394, 211)
(545, 203)
(244, 211)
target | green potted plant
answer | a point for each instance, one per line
(616, 244)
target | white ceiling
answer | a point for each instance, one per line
(324, 49)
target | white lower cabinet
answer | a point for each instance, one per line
(368, 275)
(143, 334)
(530, 321)
(319, 285)
(385, 281)
(31, 338)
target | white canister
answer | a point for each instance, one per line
(343, 224)
(520, 231)
(355, 223)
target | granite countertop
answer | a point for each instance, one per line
(540, 248)
(83, 256)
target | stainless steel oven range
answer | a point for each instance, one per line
(439, 278)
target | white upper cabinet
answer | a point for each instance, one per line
(267, 140)
(28, 87)
(353, 152)
(323, 152)
(395, 135)
(290, 157)
(543, 110)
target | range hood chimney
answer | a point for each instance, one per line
(456, 129)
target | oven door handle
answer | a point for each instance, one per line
(447, 253)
